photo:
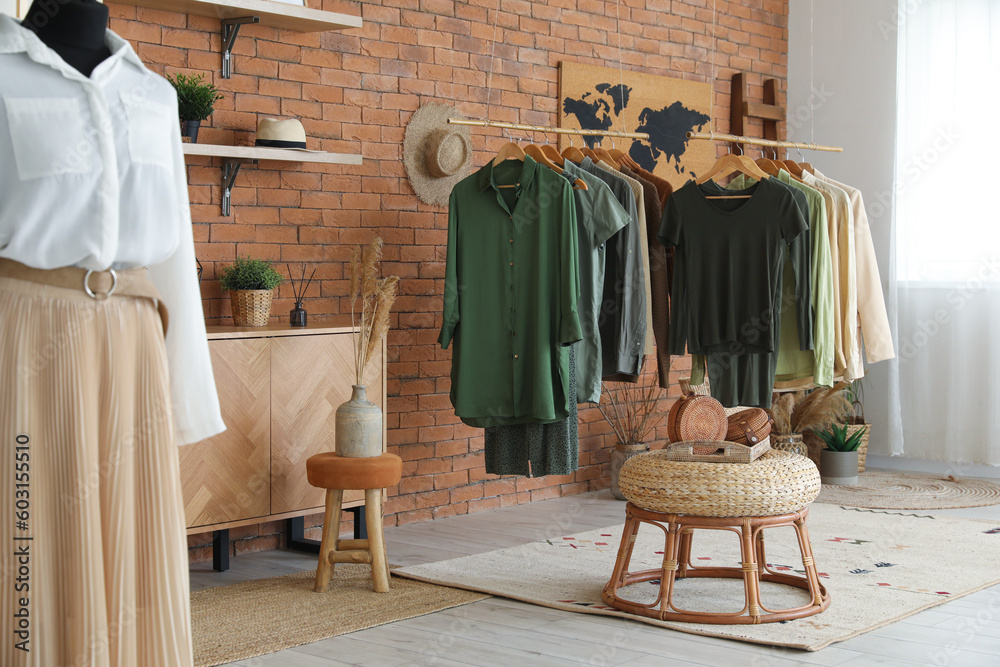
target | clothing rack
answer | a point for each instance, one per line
(712, 136)
(555, 130)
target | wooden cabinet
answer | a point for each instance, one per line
(279, 390)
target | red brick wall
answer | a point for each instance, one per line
(355, 92)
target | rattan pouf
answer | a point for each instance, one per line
(680, 497)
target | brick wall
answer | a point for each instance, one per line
(355, 92)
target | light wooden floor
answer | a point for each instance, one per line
(961, 633)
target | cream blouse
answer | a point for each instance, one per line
(92, 175)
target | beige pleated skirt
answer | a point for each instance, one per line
(94, 560)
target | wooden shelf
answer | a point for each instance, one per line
(226, 331)
(262, 153)
(273, 14)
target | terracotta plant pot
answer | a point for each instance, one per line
(359, 426)
(840, 468)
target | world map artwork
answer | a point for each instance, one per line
(664, 108)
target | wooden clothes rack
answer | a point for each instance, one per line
(741, 110)
(555, 130)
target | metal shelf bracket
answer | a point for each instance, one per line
(230, 169)
(230, 30)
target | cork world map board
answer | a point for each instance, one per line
(602, 98)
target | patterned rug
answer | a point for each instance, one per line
(878, 566)
(887, 489)
(255, 618)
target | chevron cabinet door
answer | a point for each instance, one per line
(227, 477)
(310, 377)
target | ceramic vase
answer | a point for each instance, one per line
(619, 455)
(840, 468)
(359, 426)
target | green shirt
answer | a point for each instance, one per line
(599, 216)
(511, 294)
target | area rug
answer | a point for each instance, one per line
(886, 489)
(258, 617)
(878, 566)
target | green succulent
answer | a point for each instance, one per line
(836, 438)
(195, 99)
(250, 274)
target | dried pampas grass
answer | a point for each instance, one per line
(800, 411)
(377, 296)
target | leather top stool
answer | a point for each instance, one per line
(337, 474)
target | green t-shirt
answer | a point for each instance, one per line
(728, 263)
(511, 293)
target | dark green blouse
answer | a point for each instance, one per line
(511, 294)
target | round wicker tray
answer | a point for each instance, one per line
(776, 483)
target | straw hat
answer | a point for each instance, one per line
(437, 155)
(278, 133)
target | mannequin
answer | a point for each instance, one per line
(74, 29)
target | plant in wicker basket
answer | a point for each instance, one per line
(250, 283)
(796, 412)
(359, 421)
(632, 410)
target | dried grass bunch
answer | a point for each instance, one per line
(376, 296)
(632, 409)
(800, 411)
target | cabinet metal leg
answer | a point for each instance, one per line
(296, 529)
(220, 550)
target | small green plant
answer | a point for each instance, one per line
(195, 99)
(250, 274)
(836, 438)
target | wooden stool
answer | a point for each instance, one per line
(337, 474)
(679, 497)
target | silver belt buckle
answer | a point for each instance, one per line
(91, 293)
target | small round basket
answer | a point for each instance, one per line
(251, 308)
(776, 483)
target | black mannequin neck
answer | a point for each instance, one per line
(74, 29)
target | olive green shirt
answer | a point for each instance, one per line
(511, 293)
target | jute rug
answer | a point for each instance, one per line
(878, 566)
(885, 489)
(264, 616)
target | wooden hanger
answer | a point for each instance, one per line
(573, 154)
(509, 151)
(538, 155)
(606, 156)
(729, 163)
(553, 154)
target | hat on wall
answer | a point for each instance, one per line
(437, 155)
(278, 133)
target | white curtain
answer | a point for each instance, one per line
(944, 385)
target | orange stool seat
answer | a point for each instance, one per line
(337, 474)
(330, 471)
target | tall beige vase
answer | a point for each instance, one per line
(359, 426)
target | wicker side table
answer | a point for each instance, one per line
(679, 497)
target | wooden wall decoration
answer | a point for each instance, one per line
(604, 98)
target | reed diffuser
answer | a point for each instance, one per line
(298, 315)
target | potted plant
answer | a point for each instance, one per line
(358, 426)
(195, 102)
(855, 420)
(795, 413)
(250, 283)
(631, 410)
(839, 461)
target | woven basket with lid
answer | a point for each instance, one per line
(776, 483)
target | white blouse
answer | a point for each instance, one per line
(92, 175)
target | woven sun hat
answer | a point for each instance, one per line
(437, 154)
(285, 133)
